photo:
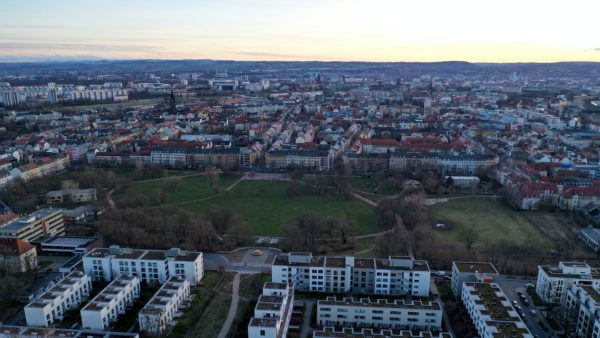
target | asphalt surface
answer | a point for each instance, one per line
(513, 284)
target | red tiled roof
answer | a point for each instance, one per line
(14, 247)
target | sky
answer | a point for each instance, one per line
(327, 30)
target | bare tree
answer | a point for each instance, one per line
(469, 237)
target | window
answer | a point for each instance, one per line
(262, 332)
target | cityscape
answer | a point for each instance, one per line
(155, 181)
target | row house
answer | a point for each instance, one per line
(491, 312)
(367, 163)
(110, 303)
(317, 160)
(52, 305)
(160, 311)
(272, 312)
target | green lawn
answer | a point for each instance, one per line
(492, 219)
(267, 207)
(202, 296)
(190, 188)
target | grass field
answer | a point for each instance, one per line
(492, 219)
(190, 188)
(267, 207)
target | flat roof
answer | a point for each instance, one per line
(472, 267)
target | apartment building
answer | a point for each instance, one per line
(74, 195)
(272, 312)
(44, 222)
(553, 281)
(582, 311)
(381, 313)
(150, 266)
(348, 332)
(111, 302)
(51, 306)
(391, 276)
(158, 314)
(491, 311)
(10, 331)
(465, 272)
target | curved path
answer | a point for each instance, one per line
(235, 298)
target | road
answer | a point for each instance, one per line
(513, 284)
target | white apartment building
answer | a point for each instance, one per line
(553, 281)
(381, 313)
(464, 272)
(113, 301)
(582, 310)
(491, 311)
(151, 266)
(273, 311)
(158, 314)
(348, 332)
(13, 331)
(52, 305)
(391, 276)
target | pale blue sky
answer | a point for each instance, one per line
(375, 30)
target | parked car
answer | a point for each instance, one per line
(533, 313)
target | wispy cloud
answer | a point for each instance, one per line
(34, 26)
(83, 47)
(272, 55)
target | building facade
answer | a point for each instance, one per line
(464, 272)
(491, 311)
(159, 313)
(44, 222)
(272, 312)
(391, 276)
(381, 313)
(150, 266)
(51, 306)
(553, 281)
(111, 302)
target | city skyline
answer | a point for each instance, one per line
(269, 30)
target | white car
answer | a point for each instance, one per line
(533, 313)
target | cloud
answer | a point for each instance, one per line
(35, 26)
(86, 47)
(597, 49)
(272, 55)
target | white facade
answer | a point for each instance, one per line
(348, 332)
(491, 312)
(553, 281)
(397, 314)
(151, 266)
(113, 301)
(273, 311)
(471, 272)
(582, 310)
(158, 314)
(392, 276)
(65, 295)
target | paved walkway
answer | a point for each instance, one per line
(235, 298)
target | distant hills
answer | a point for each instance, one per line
(89, 65)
